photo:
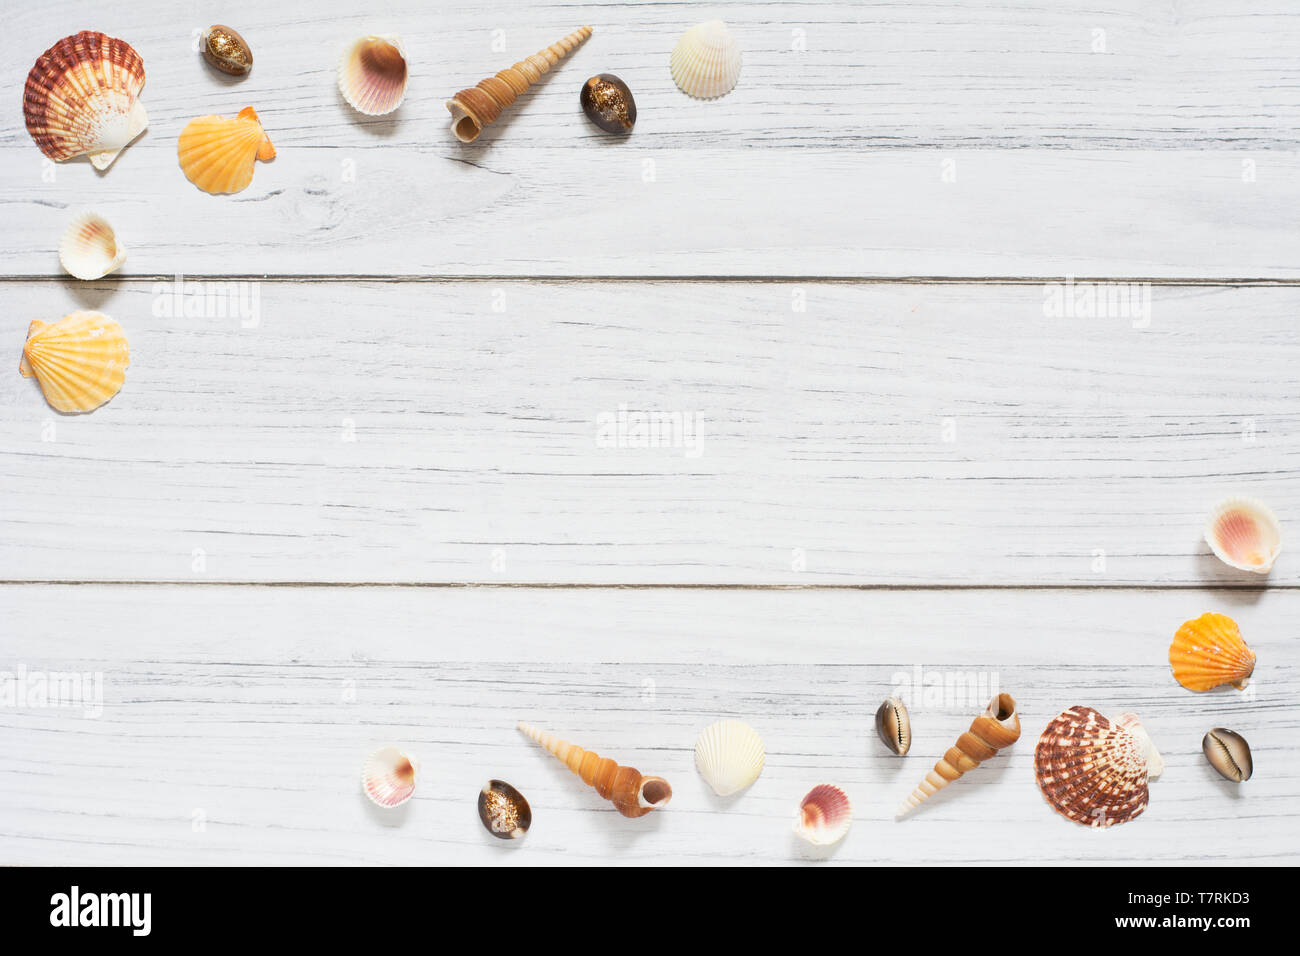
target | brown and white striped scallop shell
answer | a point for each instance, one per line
(1090, 770)
(81, 98)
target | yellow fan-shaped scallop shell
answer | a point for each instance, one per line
(1209, 652)
(216, 153)
(80, 361)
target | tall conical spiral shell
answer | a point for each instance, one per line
(632, 794)
(480, 105)
(997, 727)
(80, 361)
(81, 98)
(217, 153)
(1209, 652)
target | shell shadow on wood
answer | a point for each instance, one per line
(632, 794)
(996, 728)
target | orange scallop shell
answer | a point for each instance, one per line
(1208, 652)
(80, 361)
(216, 153)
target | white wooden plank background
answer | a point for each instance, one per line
(232, 703)
(417, 434)
(467, 314)
(780, 177)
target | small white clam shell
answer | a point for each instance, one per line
(1133, 724)
(388, 777)
(89, 248)
(824, 815)
(373, 74)
(706, 61)
(1244, 534)
(729, 756)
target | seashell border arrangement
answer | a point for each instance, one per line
(81, 97)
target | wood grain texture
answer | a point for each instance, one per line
(419, 390)
(254, 707)
(906, 141)
(589, 212)
(884, 435)
(949, 73)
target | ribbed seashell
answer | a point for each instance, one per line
(824, 815)
(729, 756)
(1244, 533)
(89, 248)
(632, 794)
(1229, 754)
(81, 98)
(894, 726)
(217, 153)
(388, 777)
(504, 811)
(373, 75)
(706, 61)
(1090, 770)
(1209, 652)
(80, 361)
(1155, 762)
(480, 105)
(997, 727)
